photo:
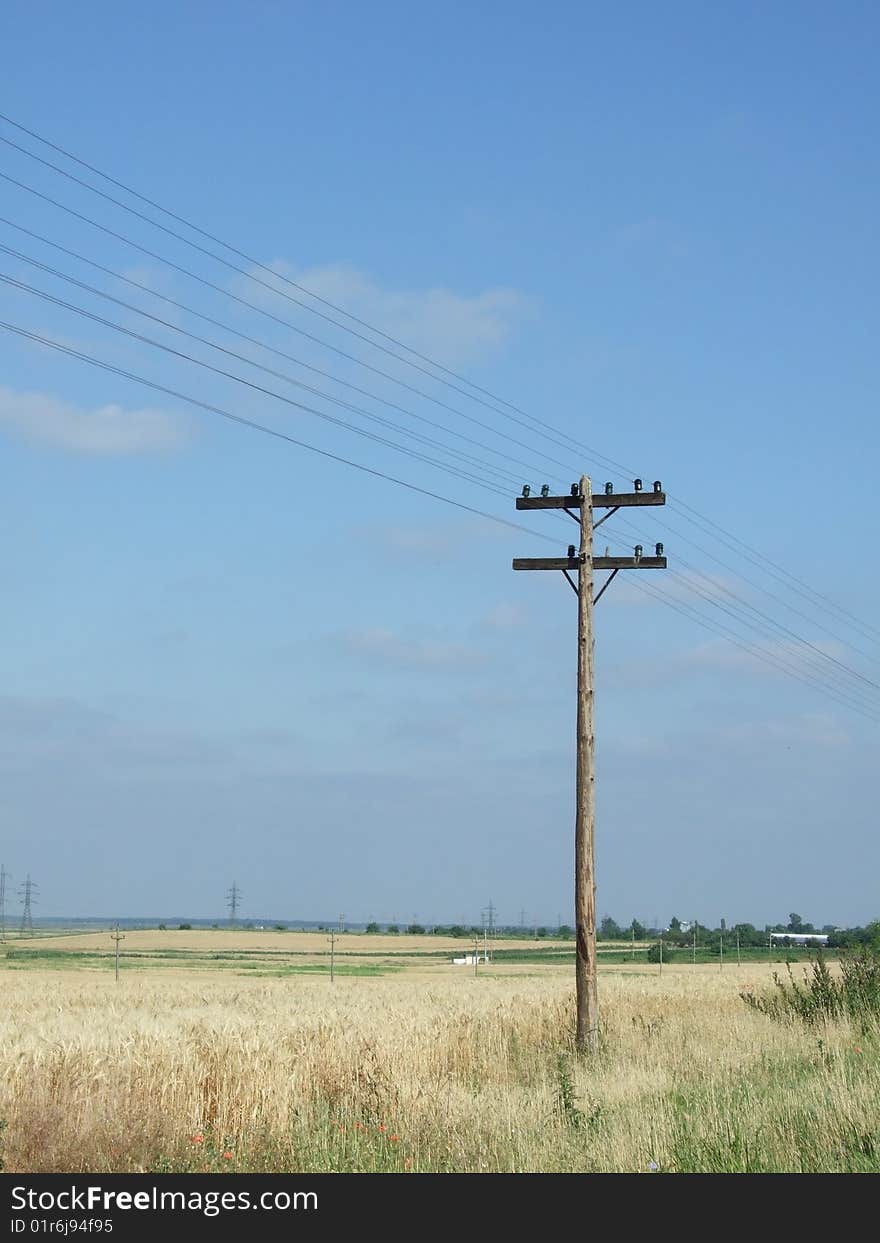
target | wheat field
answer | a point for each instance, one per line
(423, 1071)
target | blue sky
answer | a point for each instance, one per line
(224, 657)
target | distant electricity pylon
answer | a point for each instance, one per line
(488, 915)
(27, 897)
(4, 877)
(233, 900)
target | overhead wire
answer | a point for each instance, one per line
(689, 512)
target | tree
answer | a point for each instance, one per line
(675, 925)
(795, 923)
(563, 932)
(393, 929)
(610, 929)
(655, 952)
(415, 930)
(637, 930)
(372, 929)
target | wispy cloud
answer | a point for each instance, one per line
(505, 616)
(108, 431)
(453, 327)
(398, 651)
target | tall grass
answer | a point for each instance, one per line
(853, 992)
(423, 1073)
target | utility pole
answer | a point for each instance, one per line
(233, 901)
(117, 937)
(488, 928)
(583, 563)
(332, 940)
(4, 877)
(342, 923)
(27, 897)
(476, 955)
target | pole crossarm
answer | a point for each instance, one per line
(600, 500)
(598, 563)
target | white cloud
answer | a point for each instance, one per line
(109, 430)
(505, 617)
(386, 647)
(724, 654)
(454, 328)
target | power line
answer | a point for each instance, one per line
(742, 604)
(506, 477)
(242, 358)
(226, 414)
(757, 653)
(261, 427)
(264, 345)
(818, 678)
(254, 306)
(689, 512)
(765, 590)
(383, 440)
(256, 263)
(229, 375)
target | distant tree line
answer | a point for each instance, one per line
(681, 933)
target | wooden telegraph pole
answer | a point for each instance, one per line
(332, 940)
(583, 563)
(117, 937)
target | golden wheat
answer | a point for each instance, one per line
(437, 1071)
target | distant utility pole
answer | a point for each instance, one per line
(117, 937)
(522, 918)
(233, 901)
(342, 923)
(488, 928)
(583, 563)
(476, 955)
(4, 877)
(27, 892)
(332, 940)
